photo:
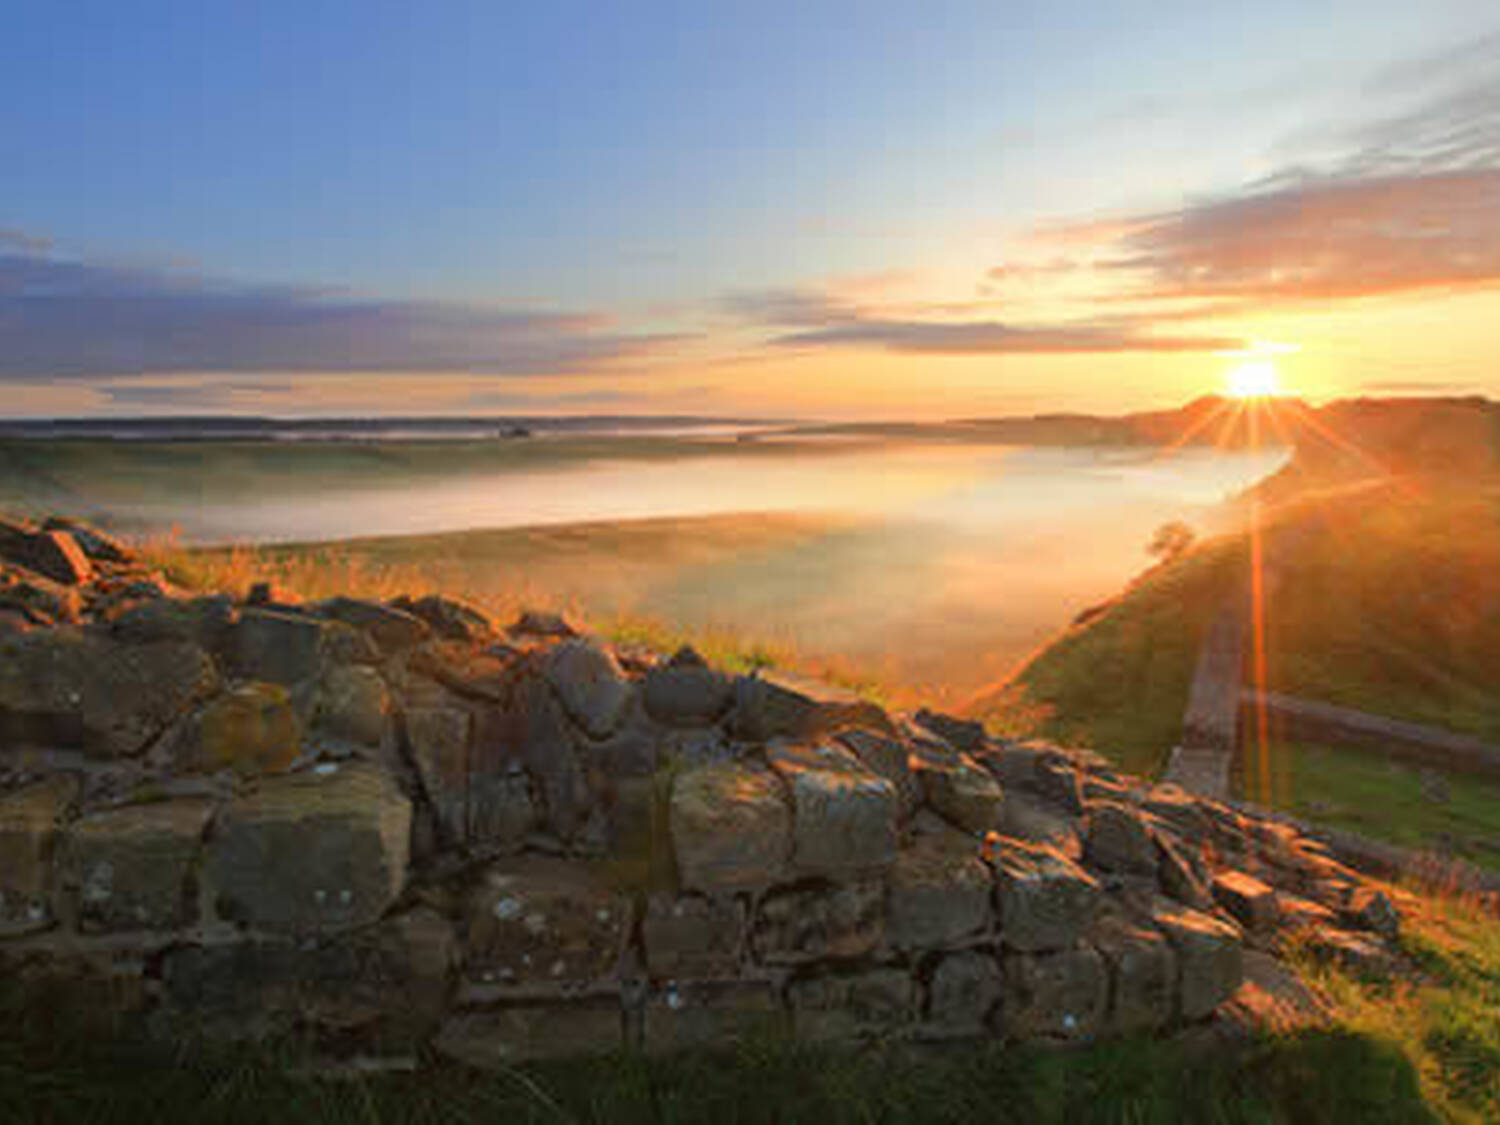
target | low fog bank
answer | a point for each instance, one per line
(934, 565)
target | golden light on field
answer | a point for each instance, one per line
(1254, 378)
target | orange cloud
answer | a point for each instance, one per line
(1324, 239)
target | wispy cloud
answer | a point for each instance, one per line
(996, 338)
(23, 242)
(1322, 239)
(69, 319)
(204, 394)
(1410, 201)
(820, 320)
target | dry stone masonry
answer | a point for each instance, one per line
(394, 826)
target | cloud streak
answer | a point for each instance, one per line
(997, 338)
(1324, 239)
(821, 320)
(78, 319)
(1412, 205)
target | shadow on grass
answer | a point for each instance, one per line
(49, 1073)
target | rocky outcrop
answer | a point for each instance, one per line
(395, 824)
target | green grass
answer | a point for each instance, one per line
(1311, 1077)
(1119, 682)
(1443, 1017)
(1391, 604)
(1369, 792)
(1386, 600)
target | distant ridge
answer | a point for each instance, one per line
(265, 427)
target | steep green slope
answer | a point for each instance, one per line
(1385, 599)
(1118, 680)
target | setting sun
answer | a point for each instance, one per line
(1253, 379)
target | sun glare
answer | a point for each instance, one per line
(1254, 378)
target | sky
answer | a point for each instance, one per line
(829, 208)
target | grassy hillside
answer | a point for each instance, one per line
(1364, 791)
(1118, 681)
(1385, 599)
(1390, 602)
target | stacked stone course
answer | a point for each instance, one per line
(394, 825)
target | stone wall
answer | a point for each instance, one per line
(1314, 721)
(395, 825)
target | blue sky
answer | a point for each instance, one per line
(518, 196)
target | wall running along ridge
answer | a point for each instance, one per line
(393, 825)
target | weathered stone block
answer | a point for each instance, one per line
(589, 684)
(501, 810)
(1301, 914)
(389, 982)
(873, 1004)
(1209, 957)
(710, 1015)
(768, 706)
(1045, 900)
(70, 687)
(962, 994)
(277, 647)
(686, 692)
(539, 623)
(811, 923)
(1183, 875)
(548, 748)
(39, 601)
(731, 827)
(1372, 910)
(450, 619)
(1142, 974)
(1359, 954)
(1118, 839)
(98, 545)
(205, 621)
(843, 814)
(939, 893)
(324, 850)
(251, 729)
(689, 748)
(344, 644)
(354, 706)
(52, 554)
(1179, 809)
(1057, 782)
(692, 936)
(28, 831)
(887, 756)
(1025, 816)
(1013, 763)
(1252, 902)
(393, 630)
(1060, 994)
(128, 868)
(966, 734)
(959, 789)
(536, 920)
(439, 737)
(639, 746)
